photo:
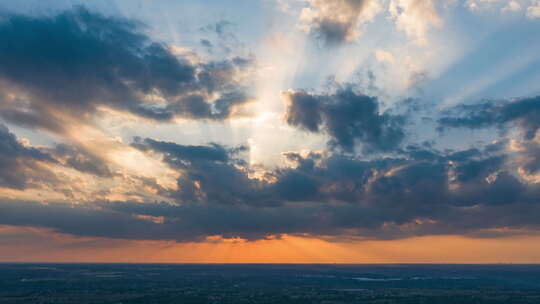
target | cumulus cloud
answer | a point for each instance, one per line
(216, 174)
(512, 6)
(421, 191)
(533, 11)
(415, 17)
(335, 22)
(522, 113)
(347, 117)
(89, 61)
(338, 21)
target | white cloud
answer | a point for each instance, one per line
(415, 17)
(506, 6)
(533, 11)
(512, 6)
(338, 21)
(384, 56)
(475, 5)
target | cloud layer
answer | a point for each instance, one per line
(59, 69)
(421, 191)
(376, 178)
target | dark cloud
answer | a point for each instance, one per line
(347, 117)
(213, 152)
(358, 202)
(70, 64)
(208, 173)
(424, 191)
(525, 112)
(207, 44)
(421, 192)
(19, 164)
(214, 174)
(528, 157)
(332, 32)
(74, 219)
(334, 22)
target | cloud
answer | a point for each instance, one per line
(225, 39)
(73, 219)
(531, 8)
(481, 4)
(47, 171)
(208, 173)
(512, 6)
(89, 61)
(347, 117)
(523, 153)
(525, 112)
(415, 17)
(338, 21)
(418, 191)
(217, 175)
(533, 11)
(81, 160)
(422, 192)
(20, 164)
(192, 192)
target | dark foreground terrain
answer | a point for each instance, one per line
(159, 283)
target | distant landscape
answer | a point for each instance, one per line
(250, 283)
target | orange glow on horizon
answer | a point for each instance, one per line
(47, 246)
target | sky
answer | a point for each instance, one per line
(270, 131)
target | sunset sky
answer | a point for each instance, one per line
(270, 131)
